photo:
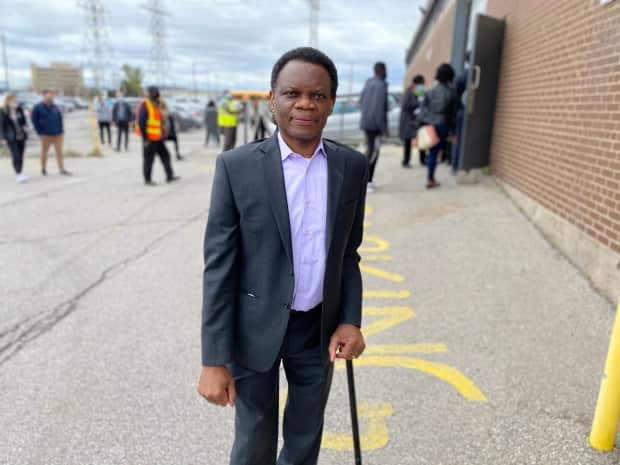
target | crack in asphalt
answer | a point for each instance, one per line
(38, 324)
(85, 231)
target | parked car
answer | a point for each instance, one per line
(67, 102)
(80, 103)
(183, 121)
(343, 125)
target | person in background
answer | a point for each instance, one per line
(227, 120)
(13, 131)
(373, 101)
(122, 118)
(47, 121)
(170, 130)
(150, 128)
(438, 110)
(460, 88)
(414, 95)
(212, 128)
(104, 118)
(257, 122)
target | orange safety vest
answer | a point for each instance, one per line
(153, 121)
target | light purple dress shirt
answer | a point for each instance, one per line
(306, 194)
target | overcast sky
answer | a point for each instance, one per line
(230, 43)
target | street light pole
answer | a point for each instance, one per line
(194, 78)
(5, 62)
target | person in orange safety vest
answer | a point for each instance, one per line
(150, 127)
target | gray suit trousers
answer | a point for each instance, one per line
(256, 407)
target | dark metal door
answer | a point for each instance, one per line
(481, 93)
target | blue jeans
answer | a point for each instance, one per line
(431, 158)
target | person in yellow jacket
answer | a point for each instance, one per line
(150, 126)
(227, 120)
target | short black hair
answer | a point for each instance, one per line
(308, 55)
(379, 67)
(445, 73)
(418, 79)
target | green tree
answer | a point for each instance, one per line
(132, 82)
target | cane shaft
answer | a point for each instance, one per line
(354, 423)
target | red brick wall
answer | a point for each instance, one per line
(557, 124)
(435, 50)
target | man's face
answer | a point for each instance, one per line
(48, 97)
(301, 100)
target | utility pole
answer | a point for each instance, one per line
(95, 46)
(159, 59)
(314, 24)
(194, 78)
(5, 62)
(351, 79)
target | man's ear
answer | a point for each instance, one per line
(272, 101)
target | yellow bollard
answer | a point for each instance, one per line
(607, 412)
(93, 126)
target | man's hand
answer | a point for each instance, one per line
(217, 386)
(346, 342)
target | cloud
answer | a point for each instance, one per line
(228, 43)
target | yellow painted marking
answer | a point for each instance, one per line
(380, 245)
(369, 211)
(376, 435)
(393, 349)
(379, 273)
(378, 258)
(367, 224)
(458, 380)
(390, 316)
(387, 294)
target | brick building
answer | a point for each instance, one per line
(555, 144)
(61, 77)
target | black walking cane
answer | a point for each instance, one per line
(353, 404)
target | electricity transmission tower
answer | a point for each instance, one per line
(159, 65)
(314, 23)
(95, 46)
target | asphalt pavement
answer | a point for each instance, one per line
(485, 345)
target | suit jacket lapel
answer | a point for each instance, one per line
(335, 177)
(274, 180)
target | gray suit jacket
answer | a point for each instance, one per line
(248, 279)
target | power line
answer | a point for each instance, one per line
(96, 46)
(159, 65)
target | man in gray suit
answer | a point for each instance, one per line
(281, 281)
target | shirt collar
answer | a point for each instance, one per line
(286, 151)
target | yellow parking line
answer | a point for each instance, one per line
(390, 316)
(464, 386)
(378, 258)
(379, 273)
(393, 349)
(383, 294)
(376, 435)
(380, 245)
